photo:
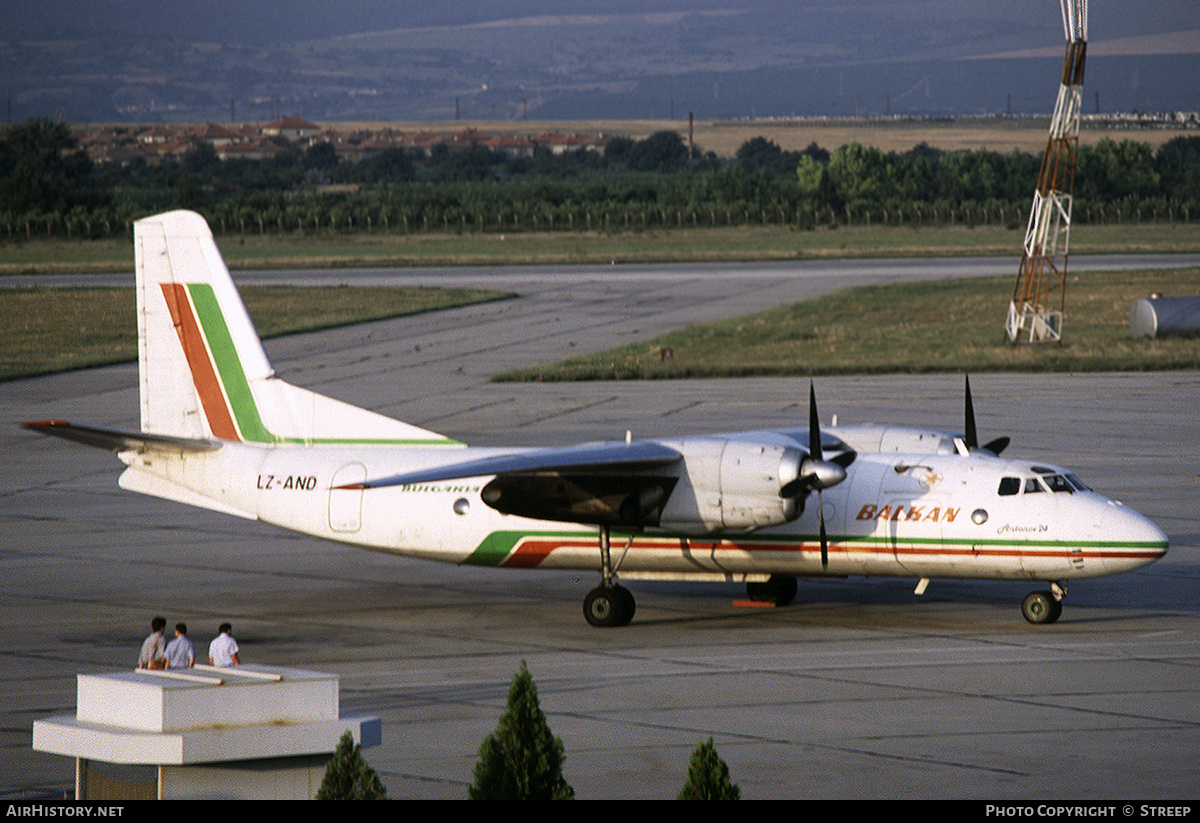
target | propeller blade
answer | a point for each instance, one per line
(814, 426)
(970, 437)
(794, 488)
(998, 445)
(815, 454)
(847, 457)
(824, 539)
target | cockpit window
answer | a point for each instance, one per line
(1058, 483)
(1049, 480)
(1076, 482)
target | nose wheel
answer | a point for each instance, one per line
(1043, 607)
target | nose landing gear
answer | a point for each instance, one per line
(1044, 606)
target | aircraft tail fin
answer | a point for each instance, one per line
(203, 371)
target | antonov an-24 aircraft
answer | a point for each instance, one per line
(219, 430)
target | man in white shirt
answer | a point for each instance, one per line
(223, 651)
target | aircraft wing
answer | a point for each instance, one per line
(118, 441)
(608, 483)
(591, 458)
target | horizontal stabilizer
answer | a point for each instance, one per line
(119, 441)
(595, 457)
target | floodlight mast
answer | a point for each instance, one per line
(1035, 313)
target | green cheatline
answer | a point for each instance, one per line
(498, 546)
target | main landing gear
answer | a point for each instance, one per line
(1045, 606)
(609, 604)
(778, 589)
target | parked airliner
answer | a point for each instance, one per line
(219, 430)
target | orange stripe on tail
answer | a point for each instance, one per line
(204, 373)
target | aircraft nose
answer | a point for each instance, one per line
(1136, 541)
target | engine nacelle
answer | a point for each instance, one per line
(732, 485)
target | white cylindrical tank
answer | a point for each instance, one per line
(1157, 316)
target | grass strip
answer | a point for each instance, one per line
(44, 330)
(940, 326)
(735, 243)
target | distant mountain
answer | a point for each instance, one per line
(219, 60)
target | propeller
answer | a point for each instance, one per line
(971, 435)
(817, 473)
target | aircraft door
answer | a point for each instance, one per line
(345, 505)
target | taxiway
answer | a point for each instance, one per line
(858, 690)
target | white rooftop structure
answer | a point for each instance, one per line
(199, 726)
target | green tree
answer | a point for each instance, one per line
(758, 153)
(321, 156)
(389, 166)
(42, 169)
(708, 777)
(664, 152)
(861, 173)
(522, 759)
(348, 777)
(202, 160)
(1111, 170)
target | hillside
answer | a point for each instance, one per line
(127, 60)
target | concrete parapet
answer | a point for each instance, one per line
(205, 715)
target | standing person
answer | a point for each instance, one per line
(223, 651)
(154, 647)
(180, 654)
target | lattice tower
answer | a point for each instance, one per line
(1035, 313)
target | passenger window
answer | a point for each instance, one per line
(1009, 485)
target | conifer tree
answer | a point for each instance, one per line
(708, 777)
(348, 777)
(522, 759)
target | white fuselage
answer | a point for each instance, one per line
(929, 511)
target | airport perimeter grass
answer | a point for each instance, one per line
(689, 245)
(922, 327)
(45, 330)
(954, 325)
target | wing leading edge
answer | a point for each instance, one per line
(603, 483)
(598, 458)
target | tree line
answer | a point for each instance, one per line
(49, 187)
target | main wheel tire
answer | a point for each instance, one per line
(607, 606)
(779, 589)
(628, 605)
(1041, 607)
(1057, 605)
